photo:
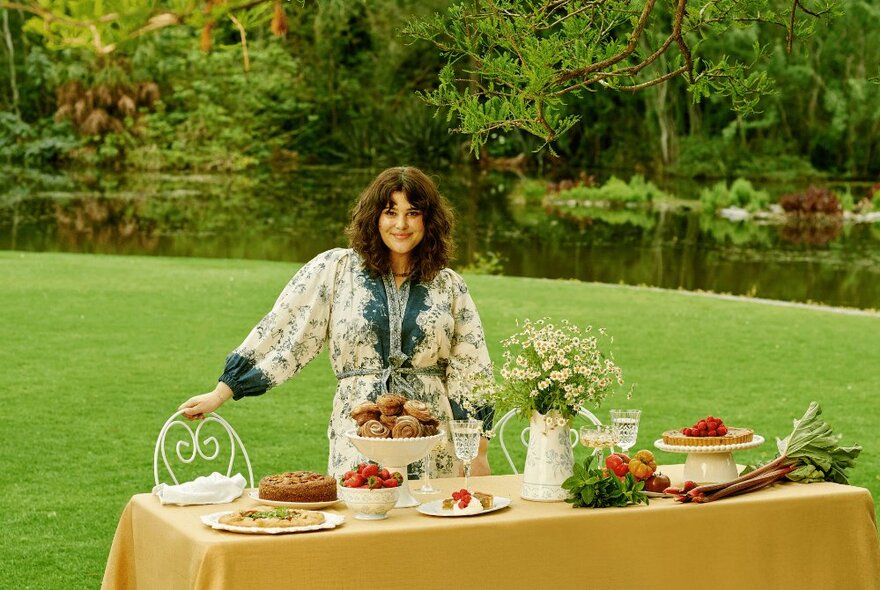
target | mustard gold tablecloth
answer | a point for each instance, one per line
(817, 536)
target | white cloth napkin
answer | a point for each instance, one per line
(213, 489)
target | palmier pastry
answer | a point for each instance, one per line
(406, 427)
(418, 410)
(374, 429)
(388, 421)
(390, 403)
(365, 412)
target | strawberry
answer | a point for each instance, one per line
(463, 503)
(355, 481)
(390, 483)
(361, 467)
(396, 475)
(722, 430)
(456, 496)
(712, 433)
(383, 473)
(371, 470)
(374, 483)
(348, 475)
(702, 425)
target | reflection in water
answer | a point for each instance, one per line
(295, 216)
(817, 230)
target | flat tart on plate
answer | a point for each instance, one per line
(269, 517)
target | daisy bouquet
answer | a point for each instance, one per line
(557, 367)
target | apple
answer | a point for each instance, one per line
(657, 483)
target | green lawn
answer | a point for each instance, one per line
(97, 351)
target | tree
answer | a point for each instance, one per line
(102, 27)
(511, 64)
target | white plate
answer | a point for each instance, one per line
(255, 495)
(658, 495)
(331, 521)
(435, 508)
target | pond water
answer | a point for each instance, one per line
(295, 215)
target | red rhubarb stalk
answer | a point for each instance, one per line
(749, 484)
(748, 476)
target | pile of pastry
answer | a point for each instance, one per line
(394, 416)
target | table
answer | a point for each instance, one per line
(798, 536)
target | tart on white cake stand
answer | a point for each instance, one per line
(711, 463)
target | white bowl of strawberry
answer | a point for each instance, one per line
(370, 490)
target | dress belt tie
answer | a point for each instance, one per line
(392, 375)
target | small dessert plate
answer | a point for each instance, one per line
(255, 495)
(658, 495)
(435, 508)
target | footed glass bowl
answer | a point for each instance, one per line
(370, 504)
(395, 454)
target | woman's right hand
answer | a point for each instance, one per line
(197, 406)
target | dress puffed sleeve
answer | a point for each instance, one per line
(290, 335)
(469, 360)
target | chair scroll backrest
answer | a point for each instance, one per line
(188, 450)
(502, 422)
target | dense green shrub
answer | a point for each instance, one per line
(34, 144)
(740, 194)
(616, 191)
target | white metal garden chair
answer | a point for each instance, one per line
(501, 423)
(207, 449)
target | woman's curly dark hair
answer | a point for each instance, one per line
(434, 251)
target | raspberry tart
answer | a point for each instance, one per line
(710, 431)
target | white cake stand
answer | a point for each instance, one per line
(395, 454)
(712, 463)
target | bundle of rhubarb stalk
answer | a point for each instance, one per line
(810, 453)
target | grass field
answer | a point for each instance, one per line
(98, 351)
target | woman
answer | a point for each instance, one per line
(395, 318)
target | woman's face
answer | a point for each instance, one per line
(401, 226)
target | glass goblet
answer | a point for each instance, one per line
(598, 438)
(426, 487)
(466, 440)
(626, 424)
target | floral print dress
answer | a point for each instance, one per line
(422, 340)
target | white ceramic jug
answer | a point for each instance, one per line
(549, 459)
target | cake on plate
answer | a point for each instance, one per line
(465, 502)
(298, 486)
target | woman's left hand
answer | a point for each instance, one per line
(480, 465)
